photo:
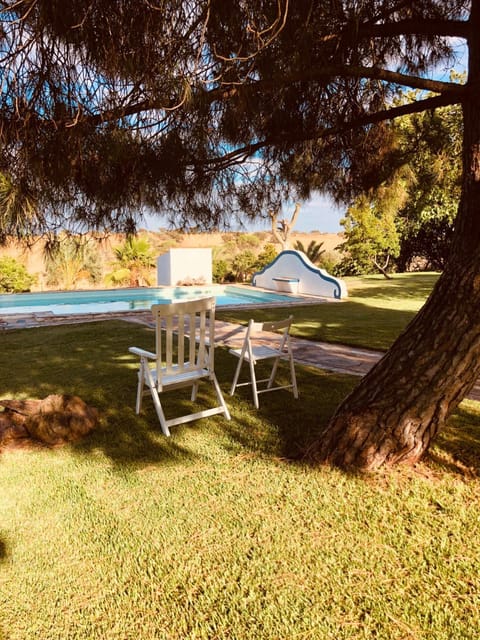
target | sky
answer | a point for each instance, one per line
(318, 213)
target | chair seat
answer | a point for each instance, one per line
(260, 352)
(172, 378)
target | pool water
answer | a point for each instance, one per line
(109, 300)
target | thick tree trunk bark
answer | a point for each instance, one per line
(402, 403)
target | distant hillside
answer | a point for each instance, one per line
(161, 241)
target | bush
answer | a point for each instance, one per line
(71, 260)
(14, 278)
(117, 278)
(220, 270)
(329, 261)
(267, 256)
(244, 265)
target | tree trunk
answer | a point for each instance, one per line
(398, 408)
(282, 229)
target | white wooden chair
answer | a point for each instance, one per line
(273, 347)
(193, 323)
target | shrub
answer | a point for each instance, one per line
(14, 278)
(71, 259)
(244, 265)
(329, 261)
(220, 270)
(266, 256)
(118, 278)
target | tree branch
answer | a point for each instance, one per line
(416, 26)
(364, 120)
(375, 73)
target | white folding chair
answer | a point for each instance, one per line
(257, 347)
(193, 324)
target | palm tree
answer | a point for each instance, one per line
(70, 259)
(136, 255)
(313, 252)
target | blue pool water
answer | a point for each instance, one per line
(105, 301)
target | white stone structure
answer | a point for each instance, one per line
(293, 272)
(184, 266)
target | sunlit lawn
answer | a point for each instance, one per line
(222, 531)
(372, 316)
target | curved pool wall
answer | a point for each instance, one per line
(140, 299)
(296, 266)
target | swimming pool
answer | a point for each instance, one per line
(111, 300)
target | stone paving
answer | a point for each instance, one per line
(331, 357)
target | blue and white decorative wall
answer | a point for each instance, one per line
(292, 271)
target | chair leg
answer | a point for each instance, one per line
(254, 383)
(156, 401)
(159, 410)
(141, 378)
(271, 380)
(236, 376)
(294, 377)
(220, 397)
(193, 397)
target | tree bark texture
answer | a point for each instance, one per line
(398, 408)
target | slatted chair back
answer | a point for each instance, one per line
(185, 337)
(184, 356)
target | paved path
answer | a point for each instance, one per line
(331, 357)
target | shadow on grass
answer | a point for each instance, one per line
(288, 426)
(3, 550)
(92, 361)
(457, 447)
(283, 426)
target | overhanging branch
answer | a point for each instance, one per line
(242, 153)
(416, 27)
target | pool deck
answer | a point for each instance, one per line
(336, 358)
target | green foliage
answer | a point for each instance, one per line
(14, 278)
(243, 265)
(220, 270)
(135, 255)
(71, 259)
(419, 198)
(266, 256)
(118, 277)
(371, 237)
(314, 251)
(432, 143)
(329, 261)
(135, 251)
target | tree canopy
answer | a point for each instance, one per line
(203, 109)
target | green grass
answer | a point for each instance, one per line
(376, 311)
(222, 531)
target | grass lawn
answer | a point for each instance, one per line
(373, 315)
(222, 531)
